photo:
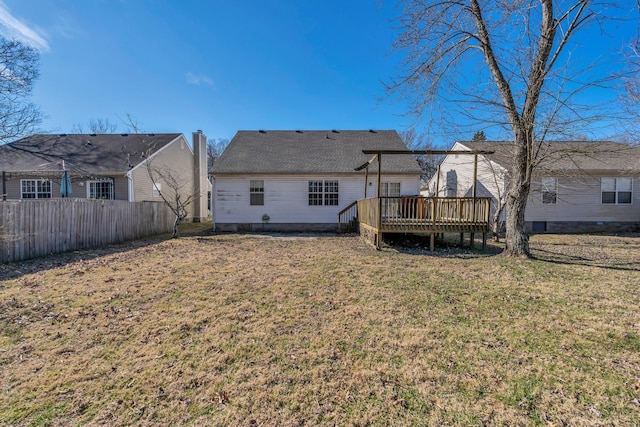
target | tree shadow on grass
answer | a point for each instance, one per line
(559, 257)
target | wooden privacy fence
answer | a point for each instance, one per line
(34, 228)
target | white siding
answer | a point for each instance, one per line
(176, 158)
(286, 197)
(459, 168)
(579, 199)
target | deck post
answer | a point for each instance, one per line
(366, 180)
(475, 192)
(432, 242)
(379, 232)
(433, 211)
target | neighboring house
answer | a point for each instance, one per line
(107, 166)
(575, 187)
(301, 180)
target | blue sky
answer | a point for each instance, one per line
(216, 65)
(219, 66)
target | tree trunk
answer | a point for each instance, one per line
(175, 227)
(495, 220)
(517, 238)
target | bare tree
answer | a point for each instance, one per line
(174, 190)
(97, 126)
(215, 147)
(420, 141)
(498, 177)
(174, 187)
(505, 63)
(18, 74)
(631, 95)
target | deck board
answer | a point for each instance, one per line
(415, 214)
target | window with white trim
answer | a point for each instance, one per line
(35, 189)
(390, 189)
(256, 192)
(616, 191)
(323, 192)
(100, 190)
(157, 188)
(549, 191)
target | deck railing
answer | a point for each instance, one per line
(348, 218)
(428, 214)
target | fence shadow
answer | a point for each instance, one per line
(17, 269)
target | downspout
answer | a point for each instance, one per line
(213, 210)
(130, 185)
(4, 186)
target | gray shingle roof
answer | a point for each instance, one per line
(568, 156)
(311, 152)
(82, 153)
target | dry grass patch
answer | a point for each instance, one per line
(248, 330)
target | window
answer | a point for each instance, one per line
(157, 188)
(100, 190)
(256, 192)
(616, 190)
(390, 189)
(549, 191)
(539, 226)
(331, 193)
(323, 193)
(452, 184)
(35, 189)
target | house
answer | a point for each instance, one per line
(300, 180)
(575, 187)
(133, 167)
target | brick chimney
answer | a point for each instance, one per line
(200, 181)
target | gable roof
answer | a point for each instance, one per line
(81, 153)
(311, 152)
(568, 156)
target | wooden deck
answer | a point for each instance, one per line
(429, 215)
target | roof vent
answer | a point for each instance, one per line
(63, 134)
(89, 142)
(124, 134)
(262, 131)
(372, 131)
(299, 131)
(151, 134)
(93, 134)
(335, 131)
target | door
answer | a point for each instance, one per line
(390, 207)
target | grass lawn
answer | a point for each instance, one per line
(320, 330)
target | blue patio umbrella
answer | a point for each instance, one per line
(65, 185)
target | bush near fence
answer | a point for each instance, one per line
(35, 228)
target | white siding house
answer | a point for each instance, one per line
(576, 186)
(300, 180)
